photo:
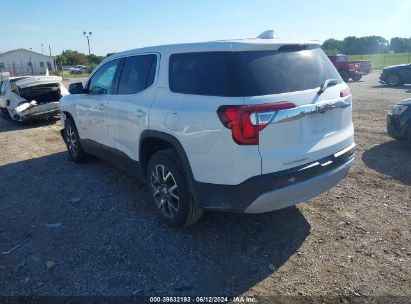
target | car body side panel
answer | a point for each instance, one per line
(89, 116)
(126, 118)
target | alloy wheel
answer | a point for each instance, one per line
(71, 140)
(393, 80)
(165, 191)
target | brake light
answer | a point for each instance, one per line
(345, 92)
(246, 122)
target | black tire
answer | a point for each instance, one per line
(357, 77)
(6, 113)
(393, 80)
(72, 140)
(345, 75)
(170, 191)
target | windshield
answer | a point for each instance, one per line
(251, 73)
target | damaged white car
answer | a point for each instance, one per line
(31, 97)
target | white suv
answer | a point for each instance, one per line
(249, 125)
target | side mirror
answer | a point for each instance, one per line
(76, 88)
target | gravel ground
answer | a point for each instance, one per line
(90, 229)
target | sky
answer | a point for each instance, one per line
(122, 25)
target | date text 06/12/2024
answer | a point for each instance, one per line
(185, 299)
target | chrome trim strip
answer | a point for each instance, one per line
(309, 109)
(339, 153)
(310, 166)
(327, 163)
(262, 118)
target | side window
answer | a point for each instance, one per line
(138, 74)
(101, 81)
(200, 73)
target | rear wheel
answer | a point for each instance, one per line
(170, 190)
(357, 77)
(393, 80)
(72, 139)
(345, 75)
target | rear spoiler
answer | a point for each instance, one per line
(297, 47)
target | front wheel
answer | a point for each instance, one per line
(72, 140)
(170, 190)
(393, 80)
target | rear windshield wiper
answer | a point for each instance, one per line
(326, 84)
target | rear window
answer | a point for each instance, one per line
(251, 73)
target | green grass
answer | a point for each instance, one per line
(68, 75)
(382, 60)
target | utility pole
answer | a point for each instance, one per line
(88, 35)
(54, 68)
(42, 48)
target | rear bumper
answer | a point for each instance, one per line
(37, 112)
(300, 192)
(277, 190)
(40, 115)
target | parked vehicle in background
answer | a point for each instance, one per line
(351, 69)
(78, 69)
(399, 121)
(31, 97)
(396, 75)
(4, 75)
(250, 125)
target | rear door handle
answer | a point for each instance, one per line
(101, 107)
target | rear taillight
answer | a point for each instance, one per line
(246, 122)
(345, 92)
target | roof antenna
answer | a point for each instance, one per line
(267, 35)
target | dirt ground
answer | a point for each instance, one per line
(90, 229)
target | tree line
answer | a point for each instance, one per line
(353, 45)
(69, 57)
(350, 45)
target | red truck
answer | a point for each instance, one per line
(351, 69)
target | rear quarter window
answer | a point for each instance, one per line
(200, 73)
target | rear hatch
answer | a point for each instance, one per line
(319, 125)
